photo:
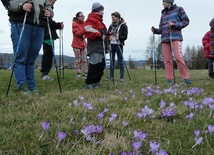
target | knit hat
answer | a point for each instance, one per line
(169, 1)
(96, 7)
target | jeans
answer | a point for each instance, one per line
(115, 48)
(26, 52)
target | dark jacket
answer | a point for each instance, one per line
(35, 17)
(53, 26)
(123, 32)
(94, 29)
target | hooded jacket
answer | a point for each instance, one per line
(94, 29)
(35, 16)
(176, 15)
(78, 35)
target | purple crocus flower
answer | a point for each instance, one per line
(75, 102)
(125, 98)
(167, 113)
(105, 110)
(45, 126)
(99, 128)
(123, 153)
(136, 145)
(100, 115)
(124, 123)
(196, 132)
(162, 104)
(133, 96)
(81, 97)
(189, 117)
(139, 135)
(111, 153)
(154, 147)
(211, 129)
(61, 136)
(198, 141)
(162, 152)
(113, 116)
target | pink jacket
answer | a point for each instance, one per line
(206, 44)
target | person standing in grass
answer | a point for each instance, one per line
(212, 37)
(173, 20)
(47, 57)
(207, 54)
(79, 45)
(118, 32)
(29, 45)
(96, 33)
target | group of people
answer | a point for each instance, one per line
(31, 21)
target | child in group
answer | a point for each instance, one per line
(207, 53)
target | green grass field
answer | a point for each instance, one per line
(21, 116)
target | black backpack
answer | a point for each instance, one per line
(6, 3)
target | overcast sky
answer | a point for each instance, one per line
(140, 15)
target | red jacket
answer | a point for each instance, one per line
(206, 44)
(78, 35)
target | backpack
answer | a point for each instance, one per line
(6, 3)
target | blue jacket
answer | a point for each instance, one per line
(176, 15)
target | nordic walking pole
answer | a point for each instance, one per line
(52, 45)
(62, 54)
(124, 61)
(17, 50)
(171, 46)
(111, 64)
(104, 52)
(154, 57)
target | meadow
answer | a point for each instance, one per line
(133, 117)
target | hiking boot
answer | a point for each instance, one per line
(46, 77)
(90, 86)
(84, 76)
(170, 82)
(23, 89)
(187, 81)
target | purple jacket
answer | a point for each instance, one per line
(176, 15)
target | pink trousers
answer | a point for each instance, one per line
(80, 61)
(167, 55)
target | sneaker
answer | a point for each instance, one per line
(46, 77)
(84, 76)
(169, 81)
(36, 92)
(121, 80)
(109, 79)
(90, 86)
(23, 89)
(97, 85)
(78, 76)
(187, 81)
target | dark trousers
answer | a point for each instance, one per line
(95, 72)
(210, 67)
(47, 59)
